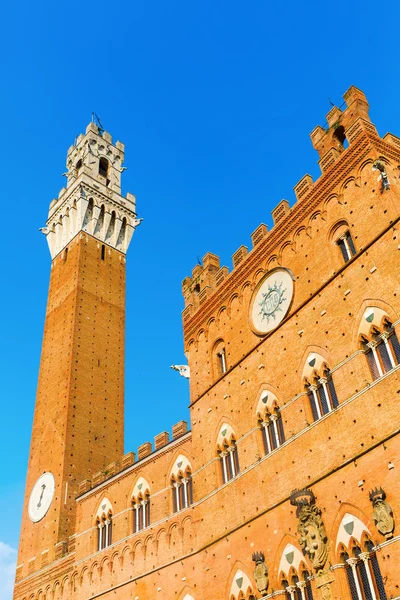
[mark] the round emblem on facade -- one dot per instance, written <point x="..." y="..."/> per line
<point x="271" y="300"/>
<point x="41" y="497"/>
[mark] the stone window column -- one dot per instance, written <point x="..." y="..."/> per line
<point x="231" y="450"/>
<point x="274" y="420"/>
<point x="313" y="389"/>
<point x="353" y="562"/>
<point x="292" y="590"/>
<point x="365" y="558"/>
<point x="177" y="486"/>
<point x="223" y="455"/>
<point x="185" y="494"/>
<point x="373" y="345"/>
<point x="385" y="336"/>
<point x="302" y="586"/>
<point x="137" y="508"/>
<point x="265" y="424"/>
<point x="100" y="534"/>
<point x="108" y="522"/>
<point x="323" y="381"/>
<point x="143" y="503"/>
<point x="346" y="245"/>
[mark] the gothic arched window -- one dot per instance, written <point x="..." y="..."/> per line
<point x="141" y="508"/>
<point x="272" y="430"/>
<point x="363" y="573"/>
<point x="322" y="394"/>
<point x="104" y="535"/>
<point x="181" y="484"/>
<point x="227" y="452"/>
<point x="219" y="359"/>
<point x="228" y="456"/>
<point x="382" y="349"/>
<point x="319" y="385"/>
<point x="270" y="421"/>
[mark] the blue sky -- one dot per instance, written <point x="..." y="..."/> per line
<point x="214" y="101"/>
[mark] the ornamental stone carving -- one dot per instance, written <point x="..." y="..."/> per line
<point x="312" y="535"/>
<point x="261" y="572"/>
<point x="383" y="514"/>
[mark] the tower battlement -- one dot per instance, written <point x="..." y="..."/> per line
<point x="334" y="143"/>
<point x="92" y="201"/>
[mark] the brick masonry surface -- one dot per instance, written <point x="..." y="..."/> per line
<point x="204" y="551"/>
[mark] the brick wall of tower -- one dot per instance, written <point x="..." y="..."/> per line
<point x="79" y="403"/>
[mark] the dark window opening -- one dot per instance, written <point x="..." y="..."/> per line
<point x="346" y="245"/>
<point x="78" y="164"/>
<point x="103" y="167"/>
<point x="103" y="252"/>
<point x="340" y="135"/>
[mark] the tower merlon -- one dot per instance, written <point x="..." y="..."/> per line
<point x="331" y="142"/>
<point x="202" y="281"/>
<point x="92" y="201"/>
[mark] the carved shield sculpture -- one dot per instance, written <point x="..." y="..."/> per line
<point x="261" y="572"/>
<point x="312" y="535"/>
<point x="383" y="514"/>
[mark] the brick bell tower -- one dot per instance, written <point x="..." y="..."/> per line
<point x="78" y="426"/>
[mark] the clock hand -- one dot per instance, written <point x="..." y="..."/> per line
<point x="41" y="496"/>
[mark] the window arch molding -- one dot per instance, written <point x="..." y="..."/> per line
<point x="353" y="548"/>
<point x="181" y="483"/>
<point x="360" y="328"/>
<point x="319" y="384"/>
<point x="341" y="236"/>
<point x="378" y="339"/>
<point x="269" y="420"/>
<point x="239" y="584"/>
<point x="219" y="358"/>
<point x="103" y="524"/>
<point x="140" y="503"/>
<point x="227" y="452"/>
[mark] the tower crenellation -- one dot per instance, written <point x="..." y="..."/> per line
<point x="92" y="201"/>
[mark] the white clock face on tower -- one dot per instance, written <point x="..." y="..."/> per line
<point x="41" y="497"/>
<point x="271" y="300"/>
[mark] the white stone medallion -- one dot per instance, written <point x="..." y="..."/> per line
<point x="271" y="300"/>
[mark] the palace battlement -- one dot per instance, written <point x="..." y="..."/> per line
<point x="145" y="450"/>
<point x="339" y="153"/>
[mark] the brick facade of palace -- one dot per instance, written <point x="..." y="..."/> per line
<point x="286" y="484"/>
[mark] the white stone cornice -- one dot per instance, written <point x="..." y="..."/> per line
<point x="80" y="208"/>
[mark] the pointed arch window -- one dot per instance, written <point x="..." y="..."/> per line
<point x="141" y="507"/>
<point x="299" y="588"/>
<point x="322" y="395"/>
<point x="182" y="491"/>
<point x="229" y="461"/>
<point x="104" y="531"/>
<point x="363" y="573"/>
<point x="272" y="430"/>
<point x="382" y="350"/>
